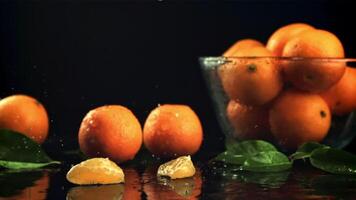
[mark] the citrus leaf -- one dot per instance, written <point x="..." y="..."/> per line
<point x="335" y="161"/>
<point x="25" y="165"/>
<point x="230" y="158"/>
<point x="305" y="150"/>
<point x="268" y="161"/>
<point x="251" y="147"/>
<point x="17" y="151"/>
<point x="238" y="153"/>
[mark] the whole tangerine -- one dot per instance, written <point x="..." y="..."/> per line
<point x="110" y="131"/>
<point x="240" y="45"/>
<point x="26" y="115"/>
<point x="314" y="75"/>
<point x="172" y="131"/>
<point x="281" y="36"/>
<point x="249" y="122"/>
<point x="297" y="117"/>
<point x="252" y="81"/>
<point x="341" y="97"/>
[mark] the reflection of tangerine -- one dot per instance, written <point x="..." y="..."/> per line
<point x="297" y="117"/>
<point x="132" y="185"/>
<point x="240" y="45"/>
<point x="314" y="76"/>
<point x="110" y="131"/>
<point x="248" y="122"/>
<point x="37" y="191"/>
<point x="282" y="35"/>
<point x="260" y="75"/>
<point x="25" y="115"/>
<point x="172" y="130"/>
<point x="185" y="188"/>
<point x="341" y="97"/>
<point x="114" y="191"/>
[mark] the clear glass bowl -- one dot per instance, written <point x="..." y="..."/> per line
<point x="342" y="128"/>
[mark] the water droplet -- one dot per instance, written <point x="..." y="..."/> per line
<point x="158" y="105"/>
<point x="177" y="114"/>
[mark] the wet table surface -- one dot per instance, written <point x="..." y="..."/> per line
<point x="212" y="181"/>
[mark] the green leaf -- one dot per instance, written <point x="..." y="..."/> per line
<point x="268" y="161"/>
<point x="230" y="158"/>
<point x="334" y="161"/>
<point x="20" y="152"/>
<point x="251" y="147"/>
<point x="238" y="153"/>
<point x="305" y="150"/>
<point x="25" y="165"/>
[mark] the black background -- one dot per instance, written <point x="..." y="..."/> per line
<point x="76" y="55"/>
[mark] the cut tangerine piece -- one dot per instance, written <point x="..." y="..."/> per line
<point x="181" y="167"/>
<point x="96" y="171"/>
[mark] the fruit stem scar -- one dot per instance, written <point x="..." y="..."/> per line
<point x="322" y="114"/>
<point x="251" y="68"/>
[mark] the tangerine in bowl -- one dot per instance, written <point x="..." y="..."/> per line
<point x="284" y="100"/>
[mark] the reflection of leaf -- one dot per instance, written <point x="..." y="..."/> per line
<point x="20" y="152"/>
<point x="334" y="161"/>
<point x="184" y="186"/>
<point x="264" y="179"/>
<point x="13" y="183"/>
<point x="306" y="149"/>
<point x="342" y="187"/>
<point x="270" y="179"/>
<point x="110" y="192"/>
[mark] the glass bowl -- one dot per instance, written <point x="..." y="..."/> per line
<point x="231" y="84"/>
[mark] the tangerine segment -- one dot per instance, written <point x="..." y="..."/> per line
<point x="249" y="122"/>
<point x="341" y="97"/>
<point x="172" y="130"/>
<point x="297" y="117"/>
<point x="240" y="45"/>
<point x="280" y="37"/>
<point x="26" y="115"/>
<point x="180" y="167"/>
<point x="252" y="81"/>
<point x="96" y="171"/>
<point x="110" y="131"/>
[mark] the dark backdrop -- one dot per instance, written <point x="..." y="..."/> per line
<point x="76" y="55"/>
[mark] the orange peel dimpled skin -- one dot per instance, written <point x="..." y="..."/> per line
<point x="26" y="115"/>
<point x="110" y="131"/>
<point x="172" y="130"/>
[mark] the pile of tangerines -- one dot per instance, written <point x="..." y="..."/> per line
<point x="288" y="90"/>
<point x="112" y="131"/>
